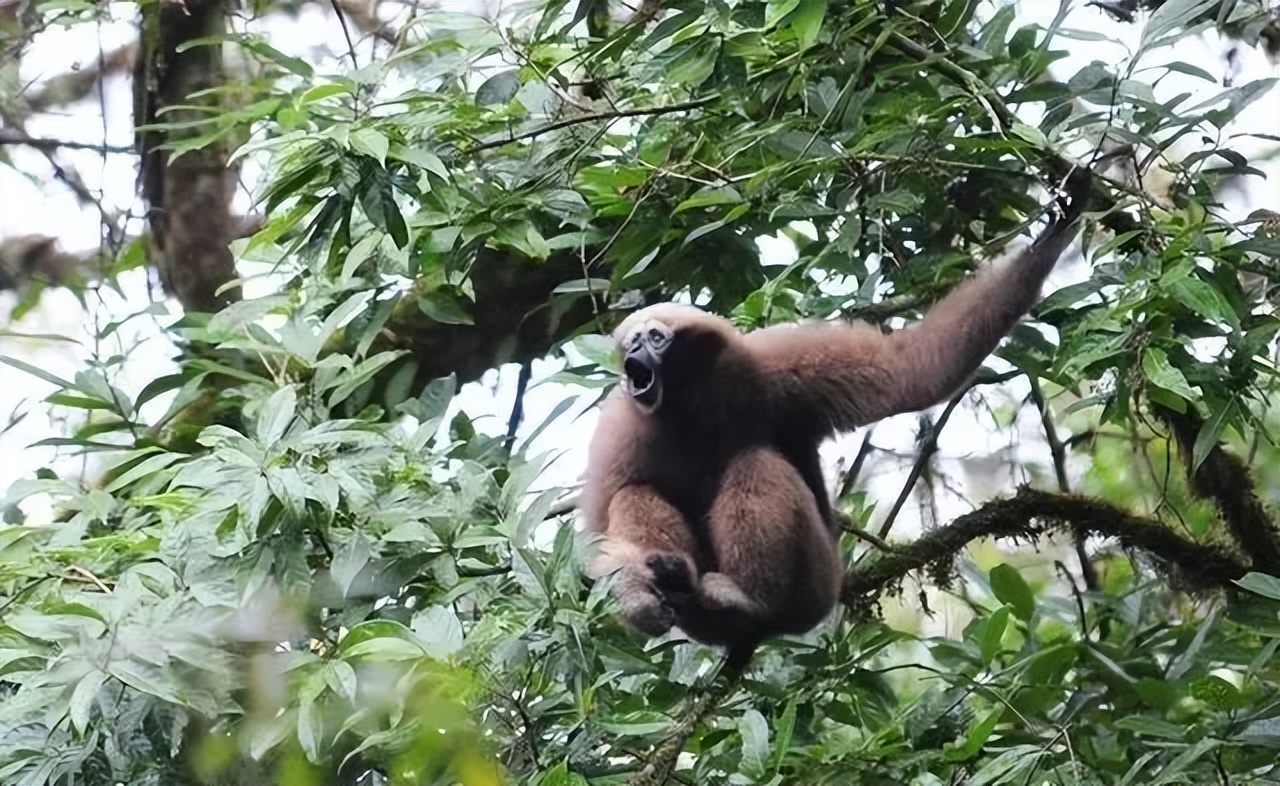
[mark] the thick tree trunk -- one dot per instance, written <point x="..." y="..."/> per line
<point x="188" y="196"/>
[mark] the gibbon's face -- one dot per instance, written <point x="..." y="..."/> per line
<point x="662" y="341"/>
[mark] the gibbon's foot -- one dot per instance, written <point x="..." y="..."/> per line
<point x="649" y="615"/>
<point x="721" y="593"/>
<point x="672" y="579"/>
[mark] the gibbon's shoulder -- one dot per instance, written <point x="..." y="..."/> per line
<point x="793" y="344"/>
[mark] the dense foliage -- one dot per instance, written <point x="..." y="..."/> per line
<point x="301" y="565"/>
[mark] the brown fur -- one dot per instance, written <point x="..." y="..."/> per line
<point x="713" y="507"/>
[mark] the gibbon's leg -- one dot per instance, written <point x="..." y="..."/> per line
<point x="777" y="566"/>
<point x="644" y="527"/>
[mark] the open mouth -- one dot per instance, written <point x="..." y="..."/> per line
<point x="642" y="381"/>
<point x="639" y="373"/>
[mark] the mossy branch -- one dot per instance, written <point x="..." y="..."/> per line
<point x="1224" y="479"/>
<point x="1032" y="514"/>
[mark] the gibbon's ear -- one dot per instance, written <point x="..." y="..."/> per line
<point x="837" y="376"/>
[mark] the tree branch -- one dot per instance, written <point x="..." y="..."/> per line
<point x="929" y="446"/>
<point x="1225" y="480"/>
<point x="72" y="86"/>
<point x="660" y="765"/>
<point x="573" y="121"/>
<point x="10" y="136"/>
<point x="1030" y="515"/>
<point x="188" y="196"/>
<point x="985" y="94"/>
<point x="364" y="15"/>
<point x="1058" y="451"/>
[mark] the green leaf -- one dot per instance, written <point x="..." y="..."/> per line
<point x="434" y="400"/>
<point x="806" y="21"/>
<point x="709" y="196"/>
<point x="1261" y="584"/>
<point x="385" y="649"/>
<point x="360" y="375"/>
<point x="583" y="286"/>
<point x="499" y="88"/>
<point x="1217" y="693"/>
<point x="776" y="10"/>
<point x="341" y="679"/>
<point x="640" y="723"/>
<point x="349" y="559"/>
<point x="560" y="775"/>
<point x="1162" y="374"/>
<point x="524" y="237"/>
<point x="371" y="142"/>
<point x="1009" y="587"/>
<point x="690" y="62"/>
<point x="420" y="158"/>
<point x="1169" y="16"/>
<point x="993" y="634"/>
<point x="275" y="415"/>
<point x="705" y="229"/>
<point x="361" y="251"/>
<point x="379" y="204"/>
<point x="978" y="735"/>
<point x="1210" y="431"/>
<point x="1190" y="70"/>
<point x="323" y="91"/>
<point x="310" y="727"/>
<point x="439" y="631"/>
<point x="446" y="306"/>
<point x="142" y="469"/>
<point x="755" y="743"/>
<point x="785" y="729"/>
<point x="81" y="705"/>
<point x="37" y="372"/>
<point x="601" y="350"/>
<point x="1204" y="300"/>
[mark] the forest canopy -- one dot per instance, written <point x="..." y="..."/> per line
<point x="286" y="542"/>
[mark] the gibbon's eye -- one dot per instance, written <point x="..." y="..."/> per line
<point x="657" y="338"/>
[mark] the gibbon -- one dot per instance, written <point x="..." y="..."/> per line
<point x="703" y="473"/>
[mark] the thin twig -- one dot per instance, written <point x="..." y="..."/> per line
<point x="1059" y="453"/>
<point x="855" y="469"/>
<point x="862" y="534"/>
<point x="9" y="136"/>
<point x="928" y="447"/>
<point x="346" y="33"/>
<point x="573" y="121"/>
<point x="517" y="407"/>
<point x="89" y="577"/>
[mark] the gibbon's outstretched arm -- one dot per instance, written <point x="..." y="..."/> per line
<point x="848" y="375"/>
